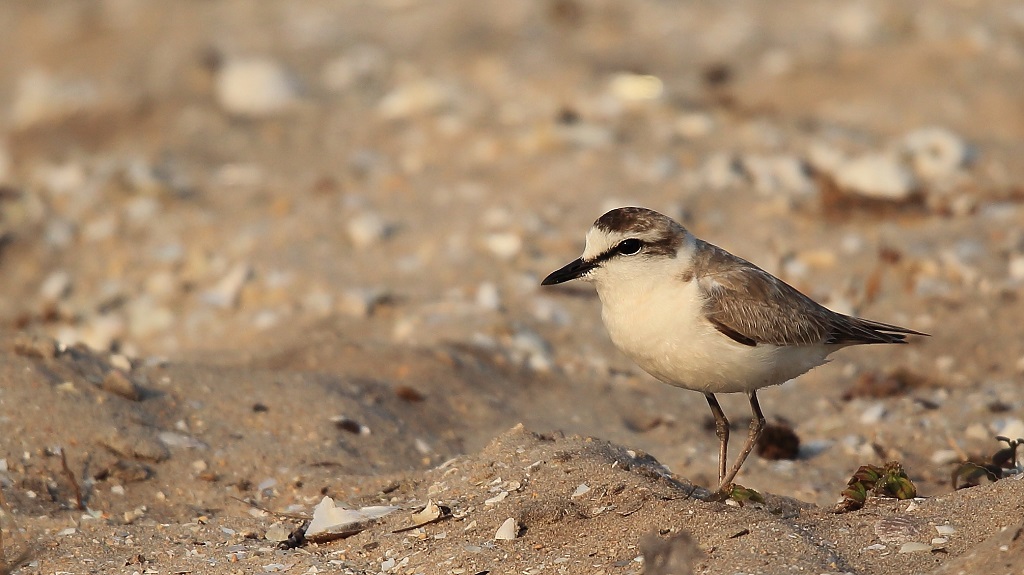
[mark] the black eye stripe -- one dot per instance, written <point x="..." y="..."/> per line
<point x="617" y="250"/>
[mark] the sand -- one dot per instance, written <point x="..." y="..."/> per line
<point x="258" y="254"/>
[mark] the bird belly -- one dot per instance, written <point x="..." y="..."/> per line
<point x="669" y="338"/>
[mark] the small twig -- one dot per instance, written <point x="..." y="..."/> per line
<point x="71" y="477"/>
<point x="300" y="516"/>
<point x="956" y="447"/>
<point x="6" y="568"/>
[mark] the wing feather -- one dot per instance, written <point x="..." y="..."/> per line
<point x="752" y="307"/>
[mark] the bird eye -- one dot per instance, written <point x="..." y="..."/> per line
<point x="629" y="247"/>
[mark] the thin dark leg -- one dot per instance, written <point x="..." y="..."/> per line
<point x="756" y="425"/>
<point x="722" y="431"/>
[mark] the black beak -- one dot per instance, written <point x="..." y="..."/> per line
<point x="570" y="271"/>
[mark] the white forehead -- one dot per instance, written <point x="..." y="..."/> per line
<point x="600" y="241"/>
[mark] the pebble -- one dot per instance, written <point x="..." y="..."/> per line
<point x="776" y="62"/>
<point x="936" y="153"/>
<point x="181" y="440"/>
<point x="226" y="293"/>
<point x="496" y="217"/>
<point x="350" y="425"/>
<point x="873" y="414"/>
<point x="1016" y="267"/>
<point x="145" y="179"/>
<point x="628" y="87"/>
<point x="32" y="345"/>
<point x="581" y="489"/>
<point x="59" y="233"/>
<point x="136" y="445"/>
<point x="99" y="228"/>
<point x="586" y="135"/>
<point x="820" y="259"/>
<point x="1012" y="428"/>
<point x="5" y="163"/>
<point x="266" y="319"/>
<point x="102" y="331"/>
<point x="780" y="174"/>
<point x="62" y="179"/>
<point x="319" y="302"/>
<point x="854" y="23"/>
<point x="875" y="175"/>
<point x="239" y="175"/>
<point x="422" y="446"/>
<point x="535" y="348"/>
<point x="41" y="97"/>
<point x="548" y="310"/>
<point x="875" y="547"/>
<point x="978" y="431"/>
<point x="415" y="98"/>
<point x="504" y="245"/>
<point x="169" y="253"/>
<point x="255" y="87"/>
<point x="944" y="456"/>
<point x="116" y="382"/>
<point x="496" y="499"/>
<point x="141" y="210"/>
<point x="945" y="363"/>
<point x="55" y="287"/>
<point x="487" y="297"/>
<point x="358" y="63"/>
<point x="277" y="533"/>
<point x="360" y="302"/>
<point x="825" y="157"/>
<point x="914" y="547"/>
<point x="161" y="284"/>
<point x="145" y="317"/>
<point x="694" y="125"/>
<point x="508" y="530"/>
<point x="945" y="529"/>
<point x="367" y="229"/>
<point x="721" y="171"/>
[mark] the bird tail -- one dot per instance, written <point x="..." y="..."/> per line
<point x="855" y="330"/>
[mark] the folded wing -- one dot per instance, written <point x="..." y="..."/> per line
<point x="752" y="307"/>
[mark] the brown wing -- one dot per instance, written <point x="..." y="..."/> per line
<point x="751" y="306"/>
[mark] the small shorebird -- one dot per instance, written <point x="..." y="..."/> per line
<point x="695" y="316"/>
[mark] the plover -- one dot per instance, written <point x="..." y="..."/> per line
<point x="695" y="316"/>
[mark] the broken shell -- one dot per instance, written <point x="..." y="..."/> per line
<point x="508" y="530"/>
<point x="426" y="515"/>
<point x="497" y="498"/>
<point x="330" y="521"/>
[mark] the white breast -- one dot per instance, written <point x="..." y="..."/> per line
<point x="661" y="327"/>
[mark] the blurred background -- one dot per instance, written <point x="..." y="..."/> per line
<point x="211" y="179"/>
<point x="177" y="173"/>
